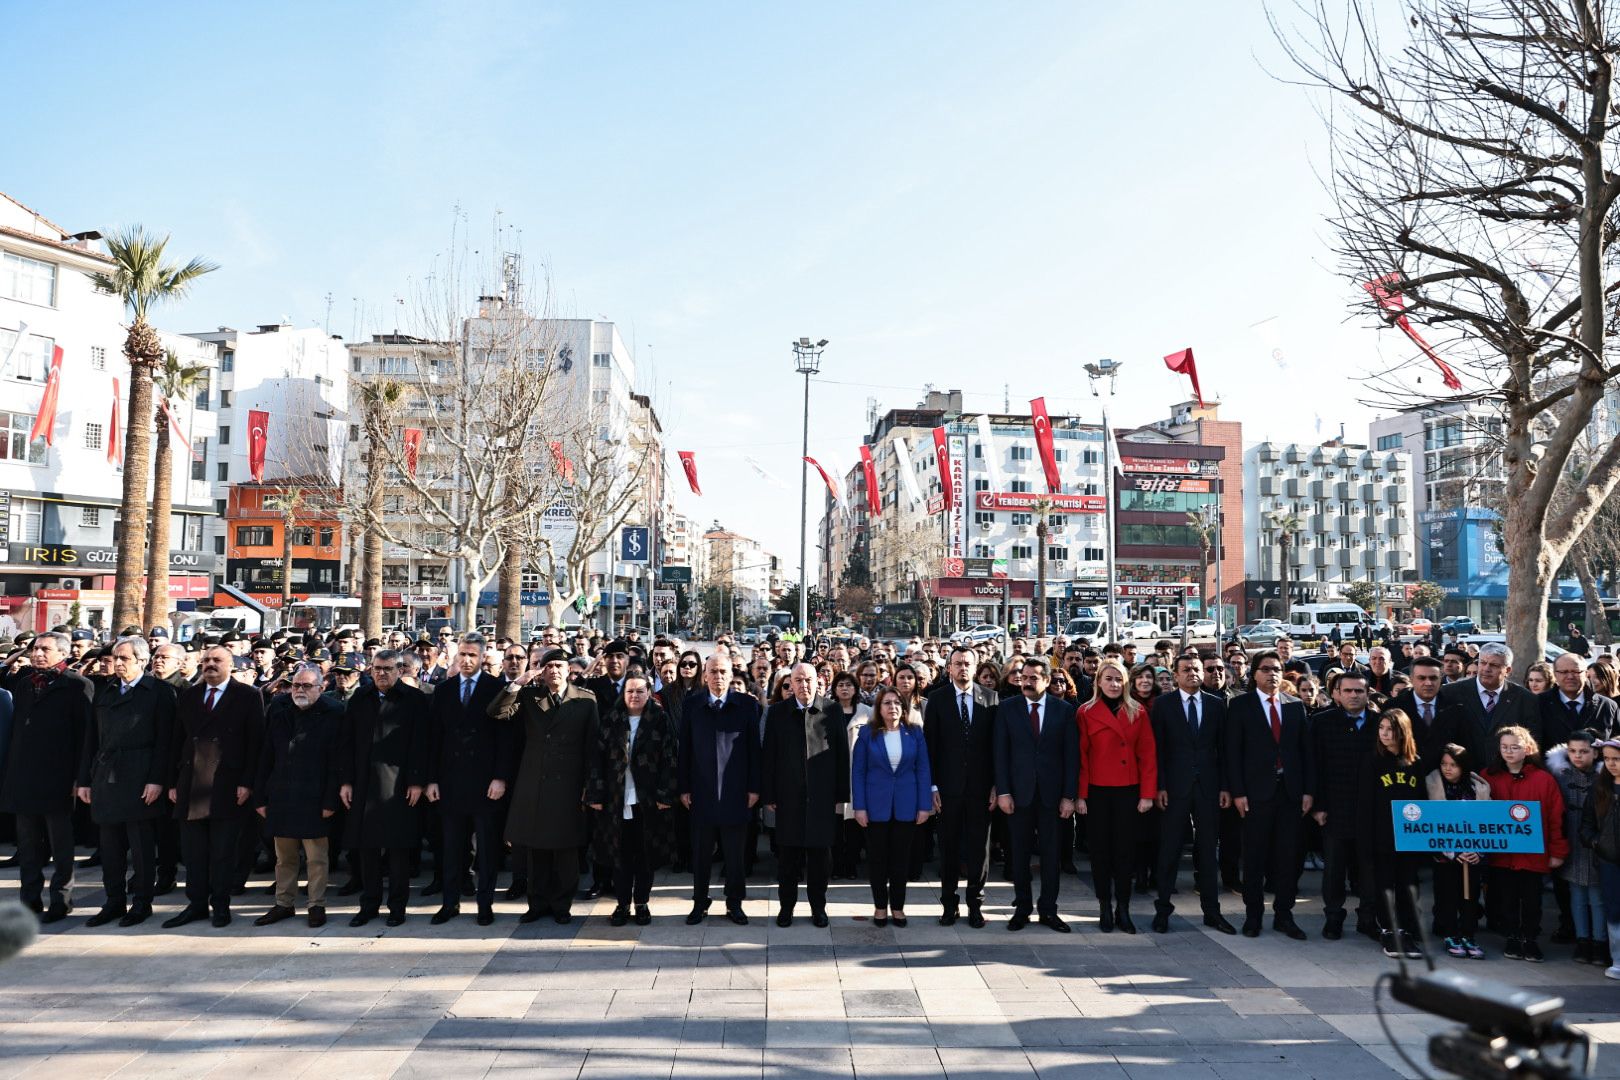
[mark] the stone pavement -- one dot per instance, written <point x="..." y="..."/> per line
<point x="719" y="1001"/>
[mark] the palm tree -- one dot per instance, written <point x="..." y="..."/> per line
<point x="1286" y="525"/>
<point x="1043" y="507"/>
<point x="1202" y="526"/>
<point x="378" y="401"/>
<point x="141" y="277"/>
<point x="173" y="381"/>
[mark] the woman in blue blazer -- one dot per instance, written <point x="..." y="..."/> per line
<point x="892" y="790"/>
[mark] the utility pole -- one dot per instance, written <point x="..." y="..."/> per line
<point x="807" y="362"/>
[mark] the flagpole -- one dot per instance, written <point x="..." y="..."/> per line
<point x="1108" y="521"/>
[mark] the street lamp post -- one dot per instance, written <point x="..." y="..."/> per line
<point x="807" y="362"/>
<point x="1108" y="369"/>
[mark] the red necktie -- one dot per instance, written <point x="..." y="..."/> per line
<point x="1035" y="720"/>
<point x="213" y="697"/>
<point x="1276" y="729"/>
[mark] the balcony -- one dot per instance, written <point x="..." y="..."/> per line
<point x="1321" y="523"/>
<point x="1294" y="456"/>
<point x="1346" y="526"/>
<point x="1347" y="559"/>
<point x="1294" y="488"/>
<point x="1396" y="526"/>
<point x="1320" y="457"/>
<point x="1369" y="493"/>
<point x="1268" y="452"/>
<point x="1369" y="560"/>
<point x="1369" y="527"/>
<point x="1398" y="559"/>
<point x="1397" y="494"/>
<point x="1269" y="486"/>
<point x="1320" y="557"/>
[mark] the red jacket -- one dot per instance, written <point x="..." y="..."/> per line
<point x="1533" y="784"/>
<point x="1116" y="751"/>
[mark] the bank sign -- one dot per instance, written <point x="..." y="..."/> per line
<point x="102" y="559"/>
<point x="1488" y="827"/>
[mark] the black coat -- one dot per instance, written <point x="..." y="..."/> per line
<point x="1341" y="754"/>
<point x="1253" y="756"/>
<point x="1385" y="780"/>
<point x="127" y="745"/>
<point x="962" y="760"/>
<point x="548" y="796"/>
<point x="607" y="692"/>
<point x="1597" y="713"/>
<point x="468" y="748"/>
<point x="651" y="762"/>
<point x="300" y="766"/>
<point x="707" y="736"/>
<point x="1516" y="706"/>
<point x="1185" y="760"/>
<point x="1449" y="726"/>
<point x="384" y="755"/>
<point x="805" y="770"/>
<point x="47" y="741"/>
<point x="1044" y="772"/>
<point x="216" y="752"/>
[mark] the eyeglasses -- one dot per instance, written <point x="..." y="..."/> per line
<point x="1264" y="668"/>
<point x="305" y="685"/>
<point x="688" y="663"/>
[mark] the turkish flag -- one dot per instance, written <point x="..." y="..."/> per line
<point x="115" y="448"/>
<point x="874" y="501"/>
<point x="1043" y="442"/>
<point x="689" y="464"/>
<point x="832" y="485"/>
<point x="565" y="468"/>
<point x="942" y="456"/>
<point x="1389" y="298"/>
<point x="1182" y="364"/>
<point x="258" y="439"/>
<point x="45" y="420"/>
<point x="413" y="448"/>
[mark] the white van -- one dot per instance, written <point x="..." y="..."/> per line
<point x="1092" y="626"/>
<point x="1316" y="620"/>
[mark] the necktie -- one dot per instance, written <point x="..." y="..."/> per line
<point x="1574" y="710"/>
<point x="1035" y="719"/>
<point x="123" y="688"/>
<point x="1427" y="710"/>
<point x="1192" y="714"/>
<point x="1276" y="722"/>
<point x="967" y="716"/>
<point x="466" y="691"/>
<point x="1490" y="702"/>
<point x="213" y="697"/>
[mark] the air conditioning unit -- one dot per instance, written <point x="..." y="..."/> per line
<point x="68" y="583"/>
<point x="985" y="526"/>
<point x="1026" y="530"/>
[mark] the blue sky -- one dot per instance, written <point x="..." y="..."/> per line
<point x="956" y="194"/>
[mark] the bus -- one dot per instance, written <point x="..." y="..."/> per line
<point x="323" y="613"/>
<point x="779" y="621"/>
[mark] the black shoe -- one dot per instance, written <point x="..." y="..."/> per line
<point x="1513" y="949"/>
<point x="975" y="918"/>
<point x="1218" y="922"/>
<point x="108" y="914"/>
<point x="351" y="887"/>
<point x="590" y="892"/>
<point x="900" y="920"/>
<point x="1369" y="929"/>
<point x="165" y="883"/>
<point x="56" y="912"/>
<point x="434" y="887"/>
<point x="1019" y="920"/>
<point x="1333" y="929"/>
<point x="137" y="915"/>
<point x="516" y="891"/>
<point x="189" y="915"/>
<point x="1391" y="944"/>
<point x="1105" y="919"/>
<point x="1251" y="927"/>
<point x="533" y="914"/>
<point x="1288" y="926"/>
<point x="1530" y="951"/>
<point x="562" y="918"/>
<point x="274" y="915"/>
<point x="363" y="916"/>
<point x="643" y="915"/>
<point x="1583" y="950"/>
<point x="1161" y="923"/>
<point x="620" y="916"/>
<point x="698" y="913"/>
<point x="444" y="914"/>
<point x="35" y="906"/>
<point x="317" y="916"/>
<point x="818" y="919"/>
<point x="221" y="919"/>
<point x="1053" y="922"/>
<point x="784" y="918"/>
<point x="1068" y="867"/>
<point x="395" y="918"/>
<point x="880" y="920"/>
<point x="736" y="915"/>
<point x="1122" y="919"/>
<point x="486" y="916"/>
<point x="948" y="916"/>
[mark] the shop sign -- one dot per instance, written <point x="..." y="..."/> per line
<point x="1026" y="500"/>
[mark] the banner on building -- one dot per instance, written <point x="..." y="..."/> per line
<point x="874" y="498"/>
<point x="1043" y="443"/>
<point x="258" y="441"/>
<point x="115" y="445"/>
<point x="942" y="460"/>
<point x="1026" y="500"/>
<point x="45" y="419"/>
<point x="413" y="448"/>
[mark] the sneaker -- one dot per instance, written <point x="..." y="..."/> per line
<point x="1392" y="947"/>
<point x="1532" y="952"/>
<point x="1456" y="947"/>
<point x="1612" y="973"/>
<point x="1474" y="951"/>
<point x="1512" y="950"/>
<point x="1409" y="946"/>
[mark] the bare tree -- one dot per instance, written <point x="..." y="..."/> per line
<point x="915" y="549"/>
<point x="1475" y="199"/>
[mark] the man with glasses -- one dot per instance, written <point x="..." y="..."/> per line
<point x="1189" y="733"/>
<point x="1434" y="722"/>
<point x="1344" y="737"/>
<point x="297" y="789"/>
<point x="1569" y="705"/>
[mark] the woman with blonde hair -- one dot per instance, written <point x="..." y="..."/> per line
<point x="1119" y="776"/>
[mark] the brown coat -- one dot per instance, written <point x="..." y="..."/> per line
<point x="216" y="752"/>
<point x="548" y="796"/>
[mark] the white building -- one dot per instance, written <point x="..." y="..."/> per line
<point x="744" y="572"/>
<point x="59" y="504"/>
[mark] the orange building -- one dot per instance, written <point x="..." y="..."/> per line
<point x="256" y="521"/>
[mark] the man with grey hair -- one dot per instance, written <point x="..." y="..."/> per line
<point x="1490" y="702"/>
<point x="804" y="776"/>
<point x="51" y="712"/>
<point x="296" y="790"/>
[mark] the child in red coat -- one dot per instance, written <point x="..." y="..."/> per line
<point x="1517" y="777"/>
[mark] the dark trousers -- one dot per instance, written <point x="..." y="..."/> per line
<point x="38" y="834"/>
<point x="810" y="863"/>
<point x="846" y="849"/>
<point x="632" y="875"/>
<point x="731" y="839"/>
<point x="1393" y="870"/>
<point x="210" y="848"/>
<point x="1343" y="856"/>
<point x="964" y="847"/>
<point x="553" y="879"/>
<point x="1202" y="809"/>
<point x="135" y="838"/>
<point x="888" y="861"/>
<point x="167" y="832"/>
<point x="1231" y="849"/>
<point x="1031" y="825"/>
<point x="1271" y="853"/>
<point x="1111" y="836"/>
<point x="1455" y="916"/>
<point x="453" y="853"/>
<point x="399" y="878"/>
<point x="1519" y="893"/>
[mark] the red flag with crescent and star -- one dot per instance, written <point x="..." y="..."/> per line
<point x="565" y="467"/>
<point x="45" y="420"/>
<point x="413" y="448"/>
<point x="689" y="465"/>
<point x="1389" y="298"/>
<point x="942" y="457"/>
<point x="258" y="440"/>
<point x="1043" y="442"/>
<point x="1182" y="364"/>
<point x="115" y="446"/>
<point x="874" y="500"/>
<point x="832" y="486"/>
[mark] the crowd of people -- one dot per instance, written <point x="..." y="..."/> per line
<point x="583" y="766"/>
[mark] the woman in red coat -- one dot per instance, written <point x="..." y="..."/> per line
<point x="1516" y="878"/>
<point x="1119" y="775"/>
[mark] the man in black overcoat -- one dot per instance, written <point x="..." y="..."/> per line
<point x="959" y="723"/>
<point x="297" y="793"/>
<point x="803" y="777"/>
<point x="1435" y="721"/>
<point x="1037" y="758"/>
<point x="719" y="780"/>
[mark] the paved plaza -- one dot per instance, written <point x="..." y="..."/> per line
<point x="718" y="1001"/>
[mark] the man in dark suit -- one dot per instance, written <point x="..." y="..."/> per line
<point x="1189" y="732"/>
<point x="719" y="778"/>
<point x="959" y="722"/>
<point x="804" y="776"/>
<point x="470" y="764"/>
<point x="1435" y="722"/>
<point x="218" y="733"/>
<point x="608" y="687"/>
<point x="1342" y="739"/>
<point x="1268" y="757"/>
<point x="1571" y="705"/>
<point x="1490" y="703"/>
<point x="1037" y="755"/>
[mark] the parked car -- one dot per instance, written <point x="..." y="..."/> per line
<point x="1262" y="633"/>
<point x="1197" y="630"/>
<point x="1458" y="624"/>
<point x="975" y="634"/>
<point x="1094" y="628"/>
<point x="1550" y="654"/>
<point x="1139" y="630"/>
<point x="1418" y="626"/>
<point x="748" y="635"/>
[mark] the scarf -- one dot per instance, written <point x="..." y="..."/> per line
<point x="1462" y="789"/>
<point x="43" y="677"/>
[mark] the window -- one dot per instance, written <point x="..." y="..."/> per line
<point x="201" y="398"/>
<point x="1091" y="457"/>
<point x="90" y="517"/>
<point x="1093" y="554"/>
<point x="1020" y="486"/>
<point x="28" y="280"/>
<point x="1020" y="452"/>
<point x="222" y="471"/>
<point x="303" y="535"/>
<point x="224" y="399"/>
<point x="984" y="517"/>
<point x="1023" y="519"/>
<point x="1165" y="501"/>
<point x="254" y="536"/>
<point x="981" y="551"/>
<point x="199" y="460"/>
<point x="92" y="436"/>
<point x="1057" y="554"/>
<point x="978" y="450"/>
<point x="602" y="360"/>
<point x="14" y="444"/>
<point x="1060" y="455"/>
<point x="219" y="507"/>
<point x="227" y="362"/>
<point x="1391" y="442"/>
<point x="1159" y="535"/>
<point x="326" y="536"/>
<point x="98" y="358"/>
<point x="32" y="362"/>
<point x="225" y="435"/>
<point x="1023" y="551"/>
<point x="219" y="545"/>
<point x="981" y="484"/>
<point x="1089" y="489"/>
<point x="1056" y="521"/>
<point x="354" y="432"/>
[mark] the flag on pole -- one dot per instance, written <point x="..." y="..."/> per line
<point x="258" y="441"/>
<point x="413" y="448"/>
<point x="115" y="447"/>
<point x="16" y="343"/>
<point x="45" y="420"/>
<point x="1182" y="364"/>
<point x="1043" y="442"/>
<point x="1389" y="298"/>
<point x="908" y="478"/>
<point x="942" y="458"/>
<point x="826" y="478"/>
<point x="874" y="498"/>
<point x="689" y="464"/>
<point x="565" y="467"/>
<point x="987" y="446"/>
<point x="174" y="426"/>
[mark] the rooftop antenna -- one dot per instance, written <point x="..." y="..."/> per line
<point x="1006" y="399"/>
<point x="328" y="314"/>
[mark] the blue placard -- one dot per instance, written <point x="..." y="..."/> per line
<point x="635" y="544"/>
<point x="1488" y="827"/>
<point x="530" y="598"/>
